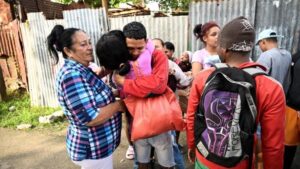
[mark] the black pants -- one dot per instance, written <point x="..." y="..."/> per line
<point x="289" y="154"/>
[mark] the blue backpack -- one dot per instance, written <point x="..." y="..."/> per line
<point x="224" y="125"/>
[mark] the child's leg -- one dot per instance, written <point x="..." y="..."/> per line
<point x="130" y="151"/>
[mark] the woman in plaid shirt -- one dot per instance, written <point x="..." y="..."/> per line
<point x="93" y="113"/>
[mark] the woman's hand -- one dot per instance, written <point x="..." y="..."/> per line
<point x="98" y="70"/>
<point x="122" y="106"/>
<point x="107" y="112"/>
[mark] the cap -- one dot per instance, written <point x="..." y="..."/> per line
<point x="268" y="33"/>
<point x="237" y="35"/>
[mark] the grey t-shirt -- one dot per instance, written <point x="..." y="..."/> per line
<point x="277" y="61"/>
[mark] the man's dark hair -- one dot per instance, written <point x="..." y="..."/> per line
<point x="112" y="52"/>
<point x="135" y="30"/>
<point x="274" y="39"/>
<point x="119" y="34"/>
<point x="170" y="46"/>
<point x="161" y="41"/>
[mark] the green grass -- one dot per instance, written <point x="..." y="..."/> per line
<point x="24" y="113"/>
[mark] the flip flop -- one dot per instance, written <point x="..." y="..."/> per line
<point x="130" y="153"/>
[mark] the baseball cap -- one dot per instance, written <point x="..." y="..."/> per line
<point x="237" y="35"/>
<point x="268" y="33"/>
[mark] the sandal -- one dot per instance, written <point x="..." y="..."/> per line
<point x="130" y="153"/>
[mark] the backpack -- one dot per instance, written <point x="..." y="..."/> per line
<point x="293" y="94"/>
<point x="224" y="125"/>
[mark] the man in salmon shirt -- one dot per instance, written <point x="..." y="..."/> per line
<point x="235" y="43"/>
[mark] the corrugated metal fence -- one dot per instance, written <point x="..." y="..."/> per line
<point x="40" y="66"/>
<point x="280" y="15"/>
<point x="42" y="71"/>
<point x="218" y="11"/>
<point x="93" y="21"/>
<point x="283" y="16"/>
<point x="173" y="29"/>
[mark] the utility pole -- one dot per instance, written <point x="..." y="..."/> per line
<point x="105" y="6"/>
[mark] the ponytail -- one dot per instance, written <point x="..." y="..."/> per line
<point x="201" y="30"/>
<point x="58" y="39"/>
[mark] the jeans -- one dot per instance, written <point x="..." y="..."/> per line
<point x="178" y="158"/>
<point x="177" y="154"/>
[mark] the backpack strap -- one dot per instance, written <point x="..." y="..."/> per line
<point x="220" y="65"/>
<point x="254" y="71"/>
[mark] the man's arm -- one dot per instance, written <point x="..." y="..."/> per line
<point x="265" y="60"/>
<point x="193" y="102"/>
<point x="272" y="106"/>
<point x="155" y="83"/>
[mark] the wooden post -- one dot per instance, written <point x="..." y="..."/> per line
<point x="20" y="57"/>
<point x="2" y="87"/>
<point x="143" y="3"/>
<point x="105" y="6"/>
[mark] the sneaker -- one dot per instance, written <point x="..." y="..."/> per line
<point x="130" y="153"/>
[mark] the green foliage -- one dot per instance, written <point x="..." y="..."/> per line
<point x="97" y="3"/>
<point x="174" y="5"/>
<point x="92" y="3"/>
<point x="116" y="3"/>
<point x="64" y="1"/>
<point x="24" y="113"/>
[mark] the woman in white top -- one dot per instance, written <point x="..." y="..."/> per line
<point x="206" y="57"/>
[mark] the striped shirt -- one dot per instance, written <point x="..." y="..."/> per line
<point x="81" y="94"/>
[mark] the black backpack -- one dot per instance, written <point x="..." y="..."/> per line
<point x="224" y="125"/>
<point x="293" y="94"/>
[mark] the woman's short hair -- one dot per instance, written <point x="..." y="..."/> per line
<point x="112" y="52"/>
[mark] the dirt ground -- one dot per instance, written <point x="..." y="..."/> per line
<point x="46" y="150"/>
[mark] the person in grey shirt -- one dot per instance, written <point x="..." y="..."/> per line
<point x="277" y="61"/>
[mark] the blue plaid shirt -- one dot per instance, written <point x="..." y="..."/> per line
<point x="82" y="94"/>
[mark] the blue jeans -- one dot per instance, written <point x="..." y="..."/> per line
<point x="135" y="163"/>
<point x="177" y="154"/>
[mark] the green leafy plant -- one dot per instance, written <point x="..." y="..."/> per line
<point x="17" y="110"/>
<point x="166" y="5"/>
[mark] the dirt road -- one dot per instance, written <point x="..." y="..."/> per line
<point x="46" y="150"/>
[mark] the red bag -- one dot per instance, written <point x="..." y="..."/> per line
<point x="154" y="115"/>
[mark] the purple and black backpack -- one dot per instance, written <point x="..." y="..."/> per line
<point x="225" y="118"/>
